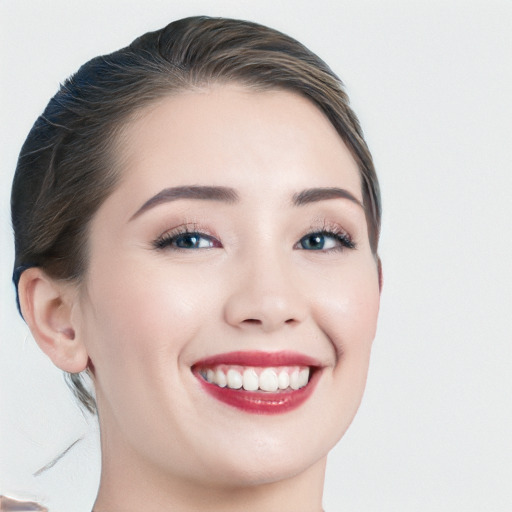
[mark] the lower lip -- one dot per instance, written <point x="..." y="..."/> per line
<point x="262" y="402"/>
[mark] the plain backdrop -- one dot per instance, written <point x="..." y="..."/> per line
<point x="431" y="82"/>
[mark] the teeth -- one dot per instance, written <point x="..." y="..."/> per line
<point x="268" y="380"/>
<point x="252" y="379"/>
<point x="234" y="379"/>
<point x="220" y="378"/>
<point x="284" y="379"/>
<point x="303" y="377"/>
<point x="294" y="379"/>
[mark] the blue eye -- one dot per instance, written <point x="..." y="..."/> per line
<point x="187" y="240"/>
<point x="325" y="241"/>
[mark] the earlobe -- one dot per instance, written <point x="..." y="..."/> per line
<point x="47" y="305"/>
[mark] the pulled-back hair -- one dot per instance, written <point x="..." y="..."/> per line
<point x="68" y="166"/>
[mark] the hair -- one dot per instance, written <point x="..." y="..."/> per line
<point x="67" y="166"/>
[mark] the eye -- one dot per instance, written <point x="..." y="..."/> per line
<point x="186" y="240"/>
<point x="325" y="241"/>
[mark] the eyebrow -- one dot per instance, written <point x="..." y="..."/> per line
<point x="205" y="193"/>
<point x="313" y="195"/>
<point x="229" y="195"/>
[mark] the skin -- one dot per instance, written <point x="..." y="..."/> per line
<point x="142" y="315"/>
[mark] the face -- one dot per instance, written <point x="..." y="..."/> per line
<point x="231" y="297"/>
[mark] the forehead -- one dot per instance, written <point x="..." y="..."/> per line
<point x="232" y="135"/>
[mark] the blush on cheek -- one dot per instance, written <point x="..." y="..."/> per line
<point x="350" y="319"/>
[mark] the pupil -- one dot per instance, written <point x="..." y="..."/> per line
<point x="315" y="242"/>
<point x="188" y="241"/>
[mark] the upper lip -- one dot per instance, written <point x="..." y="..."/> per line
<point x="259" y="358"/>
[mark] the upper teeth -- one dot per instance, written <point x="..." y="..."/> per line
<point x="256" y="378"/>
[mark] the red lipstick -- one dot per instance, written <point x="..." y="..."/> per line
<point x="293" y="390"/>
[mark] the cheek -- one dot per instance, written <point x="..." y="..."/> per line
<point x="346" y="310"/>
<point x="141" y="319"/>
<point x="349" y="307"/>
<point x="138" y="329"/>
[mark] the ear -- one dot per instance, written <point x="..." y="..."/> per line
<point x="47" y="305"/>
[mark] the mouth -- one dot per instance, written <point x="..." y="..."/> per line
<point x="257" y="382"/>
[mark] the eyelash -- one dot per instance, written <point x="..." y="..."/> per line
<point x="171" y="238"/>
<point x="343" y="239"/>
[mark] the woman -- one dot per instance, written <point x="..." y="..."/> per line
<point x="196" y="224"/>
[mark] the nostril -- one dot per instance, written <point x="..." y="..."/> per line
<point x="252" y="321"/>
<point x="256" y="321"/>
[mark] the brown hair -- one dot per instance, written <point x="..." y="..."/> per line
<point x="67" y="166"/>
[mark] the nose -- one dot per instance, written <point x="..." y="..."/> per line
<point x="265" y="295"/>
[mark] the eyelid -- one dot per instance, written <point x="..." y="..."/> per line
<point x="164" y="240"/>
<point x="325" y="228"/>
<point x="333" y="230"/>
<point x="188" y="227"/>
<point x="328" y="227"/>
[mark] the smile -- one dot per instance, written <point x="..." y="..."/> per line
<point x="258" y="382"/>
<point x="255" y="378"/>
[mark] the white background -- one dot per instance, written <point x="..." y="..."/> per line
<point x="431" y="82"/>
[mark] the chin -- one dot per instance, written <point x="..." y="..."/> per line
<point x="254" y="472"/>
<point x="265" y="456"/>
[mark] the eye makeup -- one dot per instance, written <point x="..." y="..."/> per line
<point x="325" y="241"/>
<point x="186" y="237"/>
<point x="325" y="238"/>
